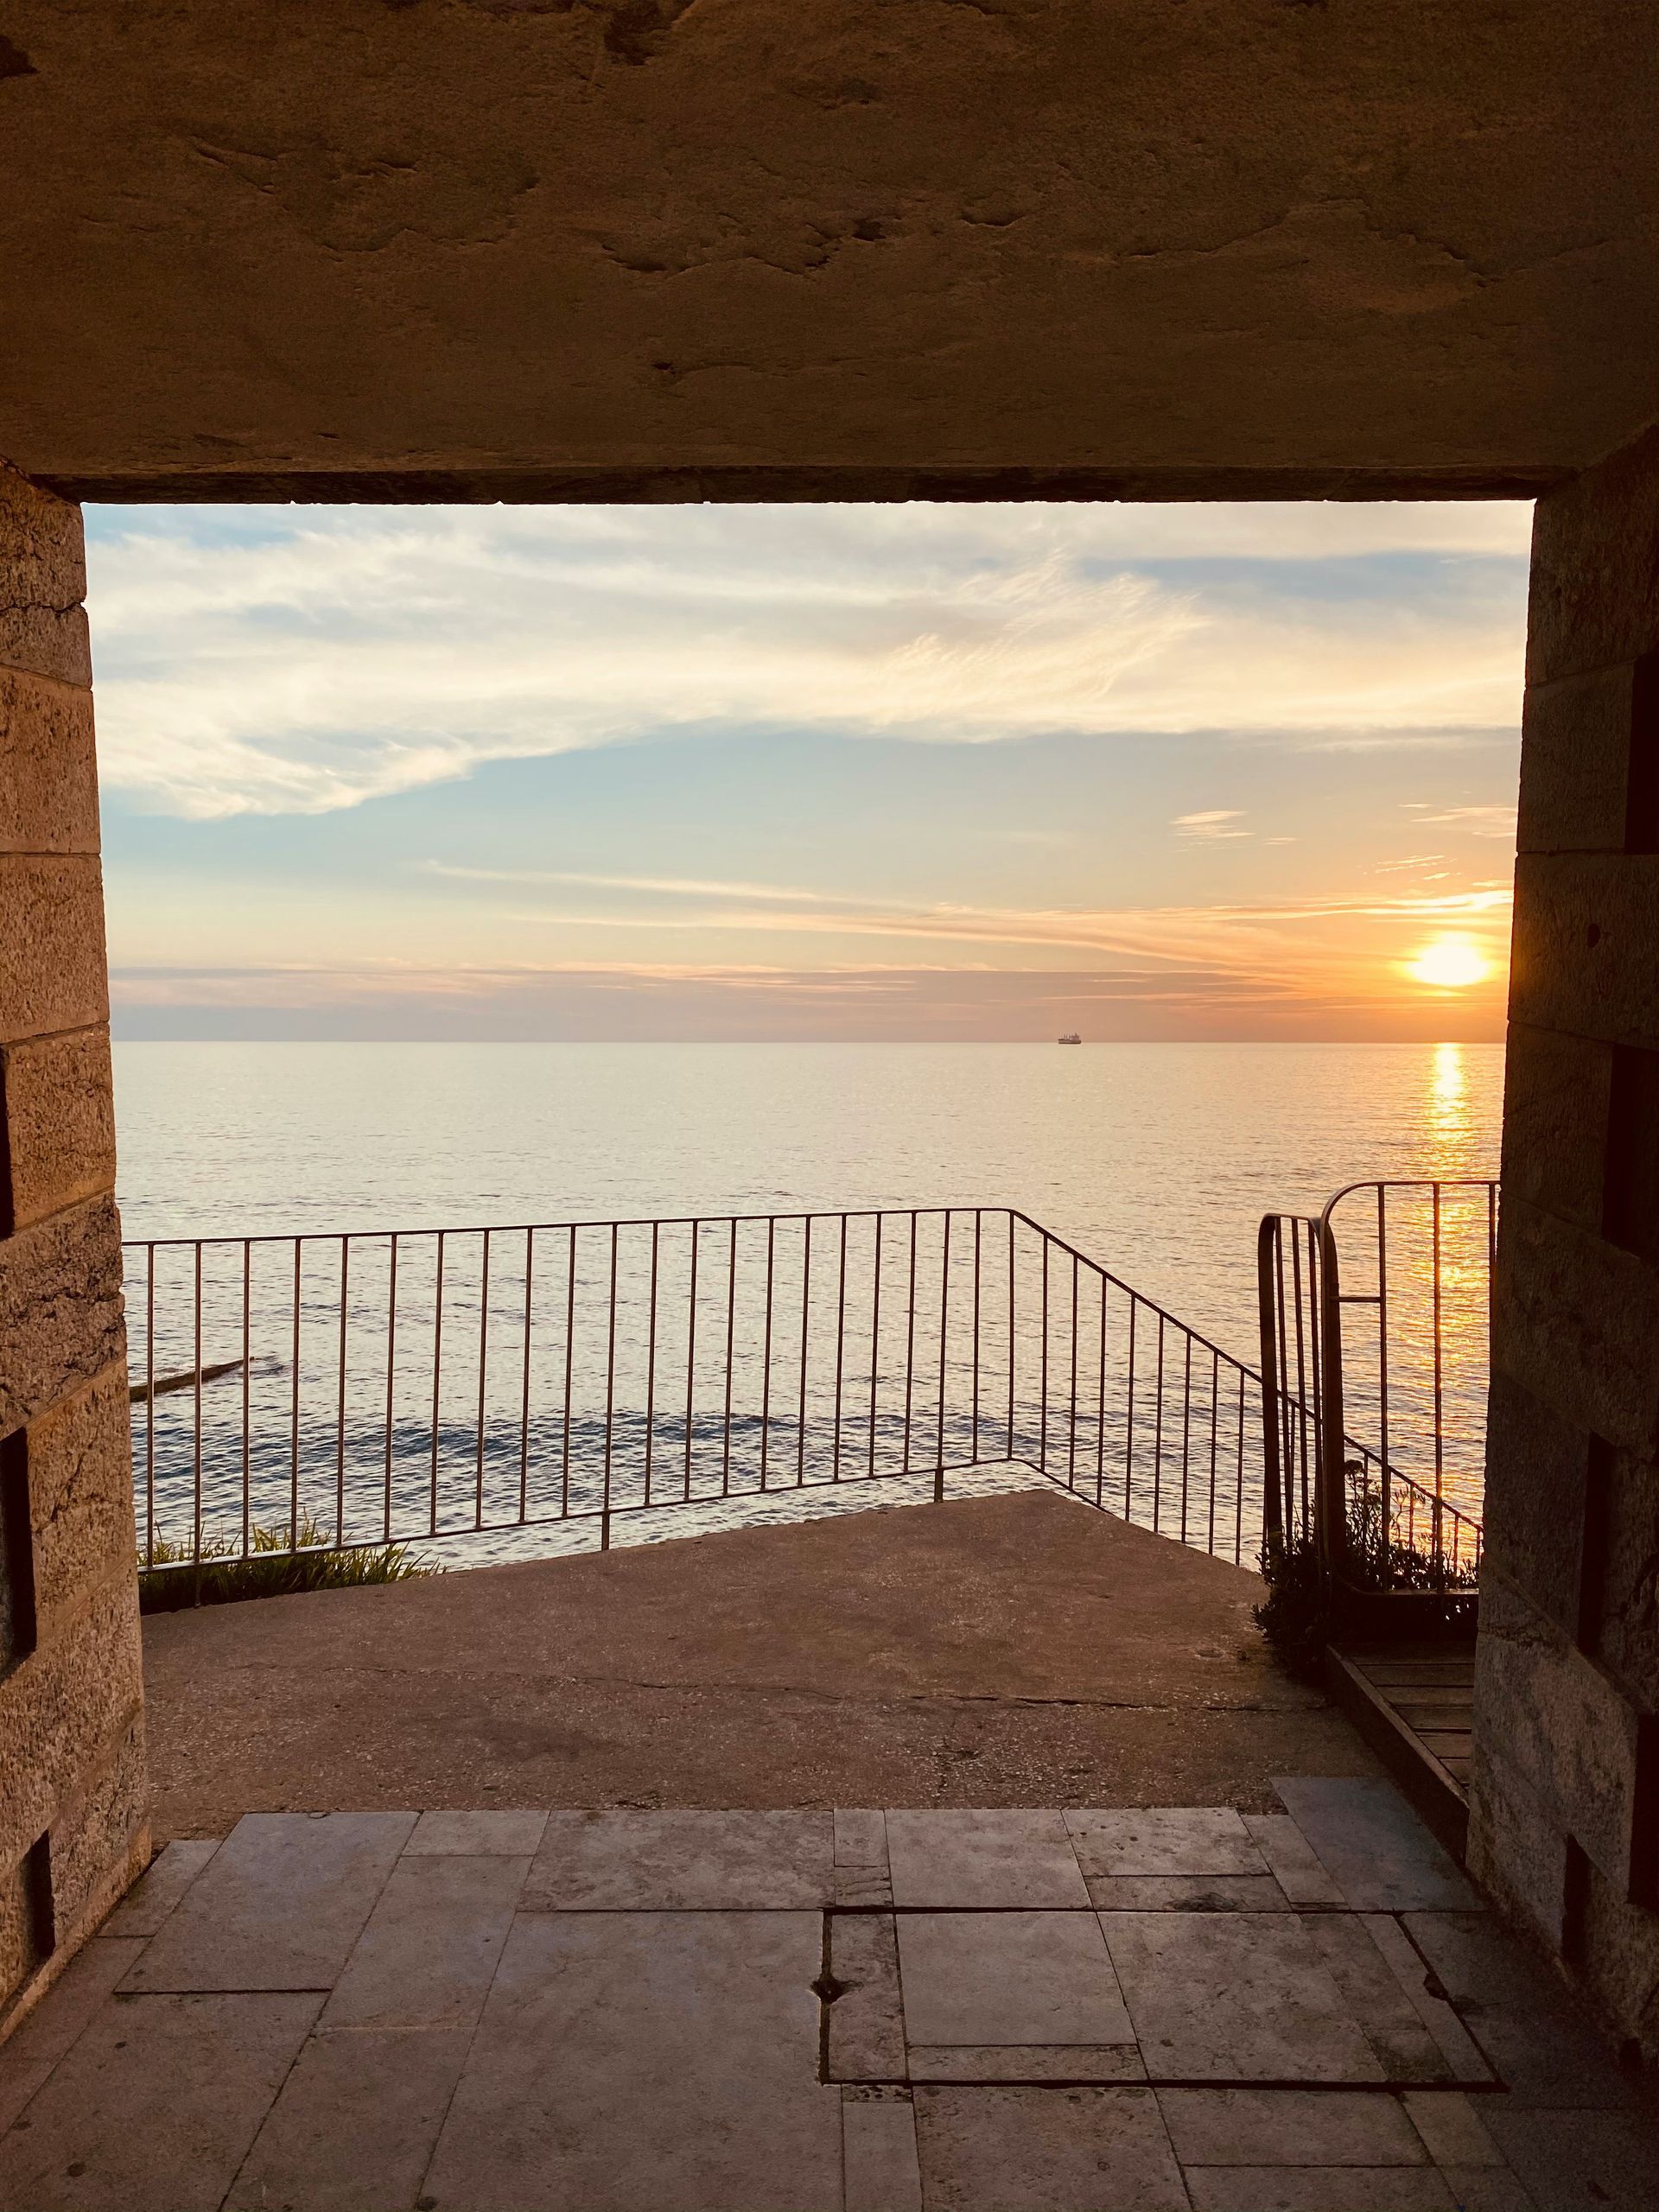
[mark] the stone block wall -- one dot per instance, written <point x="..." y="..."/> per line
<point x="72" y="1830"/>
<point x="1564" y="1823"/>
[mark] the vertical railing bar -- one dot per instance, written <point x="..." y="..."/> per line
<point x="1186" y="1428"/>
<point x="483" y="1371"/>
<point x="765" y="1372"/>
<point x="1215" y="1409"/>
<point x="1238" y="1492"/>
<point x="650" y="1362"/>
<point x="247" y="1410"/>
<point x="979" y="1220"/>
<point x="806" y="1295"/>
<point x="294" y="1420"/>
<point x="875" y="1333"/>
<point x="1011" y="1331"/>
<point x="1072" y="1441"/>
<point x="437" y="1378"/>
<point x="569" y="1357"/>
<point x="691" y="1361"/>
<point x="731" y="1325"/>
<point x="149" y="1405"/>
<point x="1128" y="1425"/>
<point x="391" y="1372"/>
<point x="1100" y="1405"/>
<point x="910" y="1339"/>
<point x="339" y="1422"/>
<point x="1158" y="1434"/>
<point x="945" y="1336"/>
<point x="840" y="1346"/>
<point x="1440" y="1384"/>
<point x="1042" y="1426"/>
<point x="610" y="1400"/>
<point x="196" y="1553"/>
<point x="523" y="1410"/>
<point x="1385" y="1477"/>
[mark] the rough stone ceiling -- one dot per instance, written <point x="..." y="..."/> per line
<point x="659" y="248"/>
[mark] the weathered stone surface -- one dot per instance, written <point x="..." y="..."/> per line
<point x="1552" y="1714"/>
<point x="42" y="582"/>
<point x="427" y="1956"/>
<point x="1627" y="1632"/>
<point x="80" y="1494"/>
<point x="51" y="971"/>
<point x="58" y="1124"/>
<point x="1002" y="1978"/>
<point x="64" y="1711"/>
<point x="1575" y="762"/>
<point x="101" y="1838"/>
<point x="511" y="1836"/>
<point x="158" y="1891"/>
<point x="60" y="1314"/>
<point x="1619" y="1958"/>
<point x="1556" y="1095"/>
<point x="1289" y="2127"/>
<point x="1577" y="1320"/>
<point x="38" y="2041"/>
<point x="1172" y="1839"/>
<point x="157" y="2121"/>
<point x="1585" y="924"/>
<point x="281" y="1905"/>
<point x="1536" y="1464"/>
<point x="860" y="1839"/>
<point x="1382" y="1858"/>
<point x="986" y="1858"/>
<point x="1046" y="2150"/>
<point x="1595" y="577"/>
<point x="878" y="2149"/>
<point x="684" y="1861"/>
<point x="49" y="773"/>
<point x="1296" y="1865"/>
<point x="865" y="2032"/>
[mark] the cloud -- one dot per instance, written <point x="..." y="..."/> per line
<point x="307" y="660"/>
<point x="1479" y="821"/>
<point x="1217" y="823"/>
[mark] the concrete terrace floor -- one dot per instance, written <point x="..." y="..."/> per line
<point x="1018" y="1649"/>
<point x="938" y="2010"/>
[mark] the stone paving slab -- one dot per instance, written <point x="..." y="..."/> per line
<point x="278" y="1906"/>
<point x="1021" y="2062"/>
<point x="1289" y="2127"/>
<point x="1379" y="1853"/>
<point x="647" y="2062"/>
<point x="1035" y="2150"/>
<point x="514" y="1835"/>
<point x="28" y="2055"/>
<point x="428" y="1954"/>
<point x="860" y="1839"/>
<point x="1186" y="1893"/>
<point x="151" y="1899"/>
<point x="1405" y="2049"/>
<point x="1319" y="2189"/>
<point x="995" y="1860"/>
<point x="1204" y="1840"/>
<point x="1235" y="1997"/>
<point x="1006" y="1977"/>
<point x="354" y="2125"/>
<point x="682" y="1861"/>
<point x="880" y="2171"/>
<point x="1293" y="1861"/>
<point x="865" y="2035"/>
<point x="155" y="2106"/>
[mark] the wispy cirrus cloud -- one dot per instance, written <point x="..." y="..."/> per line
<point x="304" y="662"/>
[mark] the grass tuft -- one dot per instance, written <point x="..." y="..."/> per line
<point x="176" y="1578"/>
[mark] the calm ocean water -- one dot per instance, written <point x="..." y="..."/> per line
<point x="1155" y="1159"/>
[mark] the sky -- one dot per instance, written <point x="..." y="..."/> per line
<point x="946" y="772"/>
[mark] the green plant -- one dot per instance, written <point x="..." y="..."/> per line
<point x="1295" y="1616"/>
<point x="176" y="1576"/>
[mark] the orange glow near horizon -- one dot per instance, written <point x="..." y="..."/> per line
<point x="1450" y="964"/>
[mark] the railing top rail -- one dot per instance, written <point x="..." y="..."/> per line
<point x="335" y="1236"/>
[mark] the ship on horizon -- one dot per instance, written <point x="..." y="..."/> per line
<point x="1072" y="1036"/>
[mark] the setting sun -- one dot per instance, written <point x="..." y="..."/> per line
<point x="1450" y="964"/>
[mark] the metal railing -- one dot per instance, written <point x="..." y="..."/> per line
<point x="328" y="1392"/>
<point x="1382" y="1427"/>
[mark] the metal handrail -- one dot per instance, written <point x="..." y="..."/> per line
<point x="1307" y="1425"/>
<point x="610" y="1367"/>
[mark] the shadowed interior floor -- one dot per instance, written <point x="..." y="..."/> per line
<point x="1012" y="1651"/>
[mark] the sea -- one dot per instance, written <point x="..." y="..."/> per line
<point x="1156" y="1160"/>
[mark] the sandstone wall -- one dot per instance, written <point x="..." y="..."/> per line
<point x="72" y="1828"/>
<point x="1565" y="1814"/>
